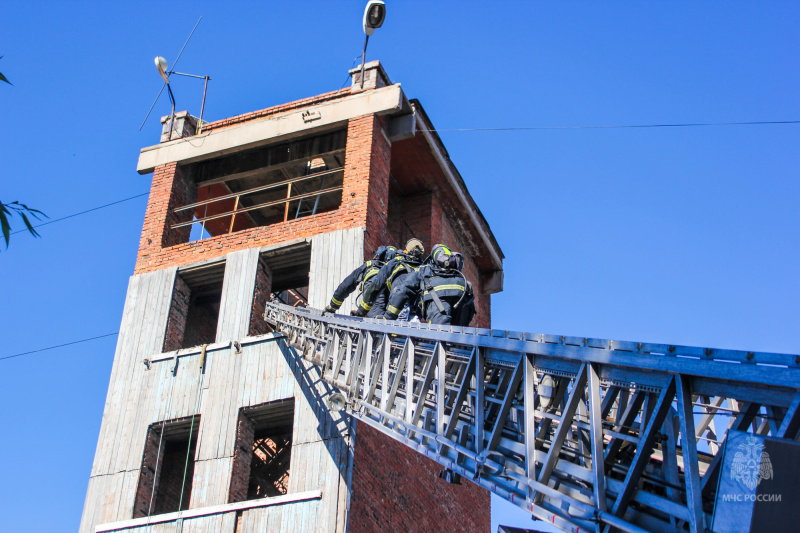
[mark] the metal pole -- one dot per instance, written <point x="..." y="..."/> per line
<point x="363" y="55"/>
<point x="202" y="107"/>
<point x="172" y="114"/>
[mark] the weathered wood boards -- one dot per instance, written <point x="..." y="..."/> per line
<point x="333" y="256"/>
<point x="174" y="386"/>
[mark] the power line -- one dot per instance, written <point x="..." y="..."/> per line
<point x="683" y="125"/>
<point x="82" y="212"/>
<point x="58" y="346"/>
<point x="523" y="128"/>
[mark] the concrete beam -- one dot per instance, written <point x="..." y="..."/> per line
<point x="402" y="127"/>
<point x="386" y="100"/>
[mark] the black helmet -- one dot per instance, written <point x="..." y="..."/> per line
<point x="385" y="253"/>
<point x="442" y="257"/>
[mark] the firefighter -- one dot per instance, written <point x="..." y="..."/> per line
<point x="358" y="278"/>
<point x="443" y="293"/>
<point x="392" y="273"/>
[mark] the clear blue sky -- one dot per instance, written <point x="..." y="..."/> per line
<point x="679" y="235"/>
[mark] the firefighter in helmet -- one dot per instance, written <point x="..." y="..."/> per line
<point x="358" y="278"/>
<point x="390" y="275"/>
<point x="443" y="294"/>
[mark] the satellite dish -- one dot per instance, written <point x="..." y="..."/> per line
<point x="161" y="65"/>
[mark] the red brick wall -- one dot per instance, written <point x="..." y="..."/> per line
<point x="171" y="476"/>
<point x="170" y="458"/>
<point x="178" y="310"/>
<point x="422" y="216"/>
<point x="144" y="489"/>
<point x="242" y="457"/>
<point x="368" y="158"/>
<point x="364" y="203"/>
<point x="258" y="326"/>
<point x="397" y="490"/>
<point x="201" y="325"/>
<point x="443" y="231"/>
<point x="410" y="216"/>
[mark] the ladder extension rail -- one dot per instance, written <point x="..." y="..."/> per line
<point x="587" y="434"/>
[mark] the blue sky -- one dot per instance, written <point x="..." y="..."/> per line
<point x="679" y="235"/>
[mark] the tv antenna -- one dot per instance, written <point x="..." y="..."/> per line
<point x="161" y="65"/>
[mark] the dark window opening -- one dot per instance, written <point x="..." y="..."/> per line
<point x="263" y="451"/>
<point x="290" y="266"/>
<point x="194" y="311"/>
<point x="265" y="185"/>
<point x="165" y="479"/>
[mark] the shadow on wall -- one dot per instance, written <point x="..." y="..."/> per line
<point x="330" y="426"/>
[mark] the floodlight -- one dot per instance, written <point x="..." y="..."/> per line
<point x="161" y="65"/>
<point x="374" y="15"/>
<point x="336" y="402"/>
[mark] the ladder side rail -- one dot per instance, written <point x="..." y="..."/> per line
<point x="436" y="388"/>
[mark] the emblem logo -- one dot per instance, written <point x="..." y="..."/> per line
<point x="751" y="463"/>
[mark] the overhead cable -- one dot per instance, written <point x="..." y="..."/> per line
<point x="681" y="125"/>
<point x="59" y="346"/>
<point x="82" y="212"/>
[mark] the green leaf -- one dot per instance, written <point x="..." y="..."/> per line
<point x="3" y="78"/>
<point x="5" y="224"/>
<point x="33" y="212"/>
<point x="28" y="225"/>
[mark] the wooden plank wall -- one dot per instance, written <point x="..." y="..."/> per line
<point x="266" y="370"/>
<point x="237" y="294"/>
<point x="142" y="330"/>
<point x="333" y="256"/>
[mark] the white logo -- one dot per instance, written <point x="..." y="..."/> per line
<point x="751" y="465"/>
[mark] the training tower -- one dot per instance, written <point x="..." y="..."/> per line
<point x="212" y="423"/>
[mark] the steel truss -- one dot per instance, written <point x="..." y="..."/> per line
<point x="587" y="434"/>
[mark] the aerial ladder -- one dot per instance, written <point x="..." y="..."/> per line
<point x="588" y="434"/>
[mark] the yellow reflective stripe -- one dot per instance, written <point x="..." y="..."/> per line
<point x="365" y="307"/>
<point x="335" y="301"/>
<point x="446" y="287"/>
<point x="393" y="309"/>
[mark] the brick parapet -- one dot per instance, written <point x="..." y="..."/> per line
<point x="274" y="110"/>
<point x="364" y="188"/>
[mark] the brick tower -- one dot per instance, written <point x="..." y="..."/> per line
<point x="211" y="422"/>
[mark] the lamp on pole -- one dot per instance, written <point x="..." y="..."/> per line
<point x="374" y="15"/>
<point x="161" y="65"/>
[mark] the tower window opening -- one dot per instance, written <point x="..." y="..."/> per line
<point x="265" y="186"/>
<point x="263" y="451"/>
<point x="165" y="479"/>
<point x="194" y="310"/>
<point x="290" y="266"/>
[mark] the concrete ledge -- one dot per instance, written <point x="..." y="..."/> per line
<point x="206" y="511"/>
<point x="386" y="100"/>
<point x="197" y="350"/>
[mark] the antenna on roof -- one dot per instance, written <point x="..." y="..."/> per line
<point x="161" y="65"/>
<point x="374" y="15"/>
